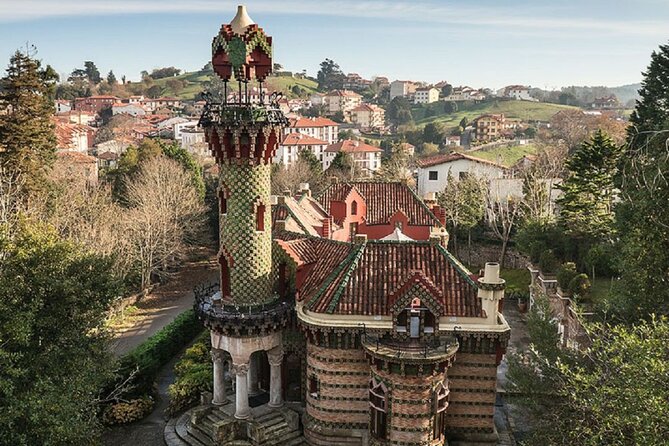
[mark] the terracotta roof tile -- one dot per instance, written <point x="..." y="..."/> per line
<point x="303" y="122"/>
<point x="299" y="139"/>
<point x="453" y="156"/>
<point x="351" y="146"/>
<point x="383" y="200"/>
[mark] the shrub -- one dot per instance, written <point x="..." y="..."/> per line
<point x="580" y="285"/>
<point x="548" y="263"/>
<point x="565" y="274"/>
<point x="149" y="357"/>
<point x="195" y="375"/>
<point x="127" y="412"/>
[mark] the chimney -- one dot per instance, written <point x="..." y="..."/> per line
<point x="491" y="291"/>
<point x="360" y="239"/>
<point x="305" y="189"/>
<point x="327" y="225"/>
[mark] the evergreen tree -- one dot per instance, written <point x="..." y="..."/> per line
<point x="463" y="201"/>
<point x="92" y="72"/>
<point x="586" y="206"/>
<point x="643" y="214"/>
<point x="111" y="78"/>
<point x="26" y="131"/>
<point x="330" y="76"/>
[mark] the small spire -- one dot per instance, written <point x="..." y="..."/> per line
<point x="241" y="21"/>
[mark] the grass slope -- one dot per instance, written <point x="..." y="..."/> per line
<point x="527" y="111"/>
<point x="195" y="84"/>
<point x="508" y="156"/>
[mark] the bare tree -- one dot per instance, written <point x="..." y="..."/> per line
<point x="165" y="216"/>
<point x="502" y="213"/>
<point x="11" y="186"/>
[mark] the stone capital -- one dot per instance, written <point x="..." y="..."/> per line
<point x="240" y="369"/>
<point x="217" y="355"/>
<point x="275" y="356"/>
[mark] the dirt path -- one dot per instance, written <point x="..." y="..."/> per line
<point x="163" y="304"/>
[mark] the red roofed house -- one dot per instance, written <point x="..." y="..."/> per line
<point x="95" y="104"/>
<point x="74" y="137"/>
<point x="293" y="143"/>
<point x="77" y="165"/>
<point x="320" y="128"/>
<point x="158" y="103"/>
<point x="341" y="101"/>
<point x="433" y="172"/>
<point x="368" y="116"/>
<point x="367" y="157"/>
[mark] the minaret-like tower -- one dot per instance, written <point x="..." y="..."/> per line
<point x="246" y="316"/>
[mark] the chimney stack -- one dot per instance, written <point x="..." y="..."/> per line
<point x="491" y="291"/>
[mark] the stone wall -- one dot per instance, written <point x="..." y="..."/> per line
<point x="483" y="252"/>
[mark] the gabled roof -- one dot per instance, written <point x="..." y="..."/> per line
<point x="304" y="215"/>
<point x="349" y="93"/>
<point x="360" y="279"/>
<point x="351" y="146"/>
<point x="383" y="200"/>
<point x="454" y="156"/>
<point x="367" y="107"/>
<point x="299" y="139"/>
<point x="303" y="122"/>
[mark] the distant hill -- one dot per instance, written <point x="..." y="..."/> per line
<point x="525" y="110"/>
<point x="193" y="84"/>
<point x="626" y="93"/>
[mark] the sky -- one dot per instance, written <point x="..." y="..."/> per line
<point x="480" y="43"/>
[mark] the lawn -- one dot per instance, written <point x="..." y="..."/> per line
<point x="507" y="156"/>
<point x="525" y="110"/>
<point x="516" y="279"/>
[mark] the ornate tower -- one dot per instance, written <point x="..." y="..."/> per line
<point x="246" y="316"/>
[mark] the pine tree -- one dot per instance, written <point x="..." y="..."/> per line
<point x="643" y="214"/>
<point x="586" y="206"/>
<point x="26" y="131"/>
<point x="111" y="78"/>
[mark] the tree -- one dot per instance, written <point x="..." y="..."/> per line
<point x="330" y="76"/>
<point x="111" y="78"/>
<point x="586" y="206"/>
<point x="344" y="167"/>
<point x="399" y="111"/>
<point x="165" y="215"/>
<point x="53" y="306"/>
<point x="446" y="90"/>
<point x="450" y="107"/>
<point x="160" y="73"/>
<point x="26" y="131"/>
<point x="435" y="133"/>
<point x="501" y="214"/>
<point x="463" y="201"/>
<point x="612" y="393"/>
<point x="397" y="166"/>
<point x="92" y="72"/>
<point x="642" y="214"/>
<point x="463" y="123"/>
<point x="155" y="91"/>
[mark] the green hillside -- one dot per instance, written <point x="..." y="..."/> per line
<point x="193" y="84"/>
<point x="507" y="156"/>
<point x="527" y="111"/>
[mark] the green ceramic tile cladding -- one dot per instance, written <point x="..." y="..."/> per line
<point x="251" y="250"/>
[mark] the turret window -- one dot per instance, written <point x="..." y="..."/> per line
<point x="260" y="217"/>
<point x="440" y="405"/>
<point x="225" y="276"/>
<point x="354" y="208"/>
<point x="378" y="408"/>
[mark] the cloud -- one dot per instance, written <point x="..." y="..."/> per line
<point x="517" y="18"/>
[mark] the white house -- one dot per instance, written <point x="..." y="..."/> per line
<point x="341" y="101"/>
<point x="368" y="116"/>
<point x="63" y="106"/>
<point x="433" y="172"/>
<point x="367" y="157"/>
<point x="192" y="139"/>
<point x="134" y="109"/>
<point x="319" y="128"/>
<point x="293" y="143"/>
<point x="402" y="88"/>
<point x="466" y="94"/>
<point x="426" y="95"/>
<point x="178" y="127"/>
<point x="517" y="92"/>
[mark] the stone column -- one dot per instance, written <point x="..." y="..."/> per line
<point x="275" y="358"/>
<point x="242" y="410"/>
<point x="254" y="365"/>
<point x="217" y="357"/>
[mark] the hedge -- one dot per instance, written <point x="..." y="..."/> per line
<point x="150" y="356"/>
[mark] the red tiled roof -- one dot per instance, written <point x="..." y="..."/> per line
<point x="383" y="200"/>
<point x="312" y="122"/>
<point x="453" y="156"/>
<point x="75" y="157"/>
<point x="298" y="139"/>
<point x="366" y="279"/>
<point x="351" y="146"/>
<point x="344" y="93"/>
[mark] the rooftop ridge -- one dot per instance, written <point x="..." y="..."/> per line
<point x="459" y="267"/>
<point x="333" y="275"/>
<point x="344" y="281"/>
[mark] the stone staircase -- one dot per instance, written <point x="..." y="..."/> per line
<point x="216" y="426"/>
